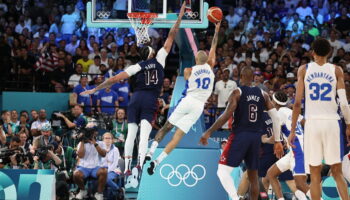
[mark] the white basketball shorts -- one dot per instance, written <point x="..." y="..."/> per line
<point x="322" y="141"/>
<point x="186" y="113"/>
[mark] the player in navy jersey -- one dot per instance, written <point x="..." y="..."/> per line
<point x="143" y="103"/>
<point x="248" y="104"/>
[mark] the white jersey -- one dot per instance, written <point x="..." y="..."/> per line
<point x="285" y="116"/>
<point x="320" y="92"/>
<point x="200" y="83"/>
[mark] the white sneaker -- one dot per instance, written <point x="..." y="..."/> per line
<point x="81" y="194"/>
<point x="98" y="196"/>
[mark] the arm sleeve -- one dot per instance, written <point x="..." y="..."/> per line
<point x="133" y="69"/>
<point x="276" y="125"/>
<point x="344" y="107"/>
<point x="161" y="56"/>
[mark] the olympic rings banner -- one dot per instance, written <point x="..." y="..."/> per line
<point x="27" y="184"/>
<point x="186" y="174"/>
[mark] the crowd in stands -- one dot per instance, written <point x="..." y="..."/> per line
<point x="45" y="45"/>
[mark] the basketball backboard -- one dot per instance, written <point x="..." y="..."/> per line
<point x="113" y="13"/>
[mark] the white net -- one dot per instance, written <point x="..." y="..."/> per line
<point x="141" y="22"/>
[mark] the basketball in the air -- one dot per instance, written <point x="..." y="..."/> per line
<point x="214" y="14"/>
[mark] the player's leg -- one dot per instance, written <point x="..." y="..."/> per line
<point x="342" y="186"/>
<point x="158" y="138"/>
<point x="243" y="185"/>
<point x="315" y="186"/>
<point x="145" y="130"/>
<point x="300" y="181"/>
<point x="224" y="174"/>
<point x="129" y="145"/>
<point x="254" y="183"/>
<point x="169" y="147"/>
<point x="272" y="175"/>
<point x="333" y="148"/>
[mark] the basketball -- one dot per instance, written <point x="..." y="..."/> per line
<point x="214" y="14"/>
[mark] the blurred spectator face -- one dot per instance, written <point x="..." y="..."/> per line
<point x="34" y="114"/>
<point x="120" y="62"/>
<point x="226" y="75"/>
<point x="344" y="12"/>
<point x="333" y="35"/>
<point x="84" y="80"/>
<point x="121" y="114"/>
<point x="104" y="53"/>
<point x="46" y="133"/>
<point x="108" y="139"/>
<point x="97" y="61"/>
<point x="202" y="45"/>
<point x="74" y="38"/>
<point x="23" y="119"/>
<point x="61" y="54"/>
<point x="85" y="54"/>
<point x="341" y="52"/>
<point x="290" y="91"/>
<point x="231" y="10"/>
<point x="296" y="17"/>
<point x="14" y="115"/>
<point x="39" y="20"/>
<point x="235" y="72"/>
<point x="78" y="52"/>
<point x="42" y="114"/>
<point x="166" y="83"/>
<point x="92" y="39"/>
<point x="99" y="79"/>
<point x="69" y="9"/>
<point x="103" y="68"/>
<point x="14" y="145"/>
<point x="23" y="137"/>
<point x="223" y="144"/>
<point x="6" y="116"/>
<point x="268" y="68"/>
<point x="111" y="63"/>
<point x="61" y="63"/>
<point x="79" y="69"/>
<point x="95" y="46"/>
<point x="77" y="111"/>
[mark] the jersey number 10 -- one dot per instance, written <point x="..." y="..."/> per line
<point x="204" y="83"/>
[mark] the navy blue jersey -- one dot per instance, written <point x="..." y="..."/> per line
<point x="150" y="77"/>
<point x="248" y="116"/>
<point x="267" y="149"/>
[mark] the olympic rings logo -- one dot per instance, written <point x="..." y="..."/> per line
<point x="182" y="174"/>
<point x="103" y="14"/>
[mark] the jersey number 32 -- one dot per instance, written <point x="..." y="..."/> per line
<point x="320" y="91"/>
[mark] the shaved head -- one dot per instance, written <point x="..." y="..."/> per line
<point x="201" y="58"/>
<point x="247" y="74"/>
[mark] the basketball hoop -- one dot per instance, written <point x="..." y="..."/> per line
<point x="140" y="22"/>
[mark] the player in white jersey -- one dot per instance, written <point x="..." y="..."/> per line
<point x="199" y="86"/>
<point x="294" y="159"/>
<point x="321" y="82"/>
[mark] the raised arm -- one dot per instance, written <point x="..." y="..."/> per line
<point x="173" y="31"/>
<point x="230" y="109"/>
<point x="297" y="104"/>
<point x="212" y="52"/>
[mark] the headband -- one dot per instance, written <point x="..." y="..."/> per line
<point x="278" y="102"/>
<point x="150" y="51"/>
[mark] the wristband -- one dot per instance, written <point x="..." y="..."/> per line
<point x="96" y="145"/>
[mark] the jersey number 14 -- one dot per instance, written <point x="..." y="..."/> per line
<point x="151" y="77"/>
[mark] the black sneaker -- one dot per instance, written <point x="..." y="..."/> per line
<point x="152" y="168"/>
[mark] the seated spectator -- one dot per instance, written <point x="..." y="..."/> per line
<point x="14" y="121"/>
<point x="73" y="45"/>
<point x="94" y="69"/>
<point x="107" y="101"/>
<point x="23" y="126"/>
<point x="133" y="56"/>
<point x="84" y="100"/>
<point x="85" y="61"/>
<point x="59" y="77"/>
<point x="111" y="160"/>
<point x="34" y="117"/>
<point x="120" y="129"/>
<point x="38" y="124"/>
<point x="6" y="126"/>
<point x="74" y="79"/>
<point x="24" y="144"/>
<point x="89" y="153"/>
<point x="114" y="53"/>
<point x="304" y="10"/>
<point x="68" y="24"/>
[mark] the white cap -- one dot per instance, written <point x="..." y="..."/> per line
<point x="290" y="75"/>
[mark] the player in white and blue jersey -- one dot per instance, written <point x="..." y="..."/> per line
<point x="199" y="86"/>
<point x="142" y="107"/>
<point x="294" y="159"/>
<point x="319" y="82"/>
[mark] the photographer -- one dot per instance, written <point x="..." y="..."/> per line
<point x="44" y="139"/>
<point x="77" y="112"/>
<point x="11" y="157"/>
<point x="25" y="145"/>
<point x="89" y="153"/>
<point x="45" y="158"/>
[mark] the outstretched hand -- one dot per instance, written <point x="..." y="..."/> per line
<point x="182" y="10"/>
<point x="291" y="139"/>
<point x="86" y="92"/>
<point x="204" y="139"/>
<point x="217" y="26"/>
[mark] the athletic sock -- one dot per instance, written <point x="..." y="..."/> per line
<point x="300" y="195"/>
<point x="153" y="148"/>
<point x="224" y="174"/>
<point x="308" y="194"/>
<point x="129" y="144"/>
<point x="161" y="157"/>
<point x="145" y="130"/>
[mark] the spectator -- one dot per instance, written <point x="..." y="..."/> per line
<point x="296" y="23"/>
<point x="74" y="79"/>
<point x="107" y="101"/>
<point x="111" y="160"/>
<point x="259" y="80"/>
<point x="94" y="97"/>
<point x="94" y="69"/>
<point x="85" y="61"/>
<point x="335" y="43"/>
<point x="14" y="121"/>
<point x="114" y="53"/>
<point x="24" y="144"/>
<point x="304" y="10"/>
<point x="133" y="55"/>
<point x="54" y="28"/>
<point x="45" y="138"/>
<point x="34" y="117"/>
<point x="104" y="57"/>
<point x="342" y="23"/>
<point x="59" y="77"/>
<point x="2" y="137"/>
<point x="21" y="25"/>
<point x="84" y="100"/>
<point x="123" y="93"/>
<point x="80" y="120"/>
<point x="23" y="127"/>
<point x="73" y="45"/>
<point x="38" y="124"/>
<point x="120" y="130"/>
<point x="89" y="154"/>
<point x="166" y="91"/>
<point x="120" y="7"/>
<point x="68" y="24"/>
